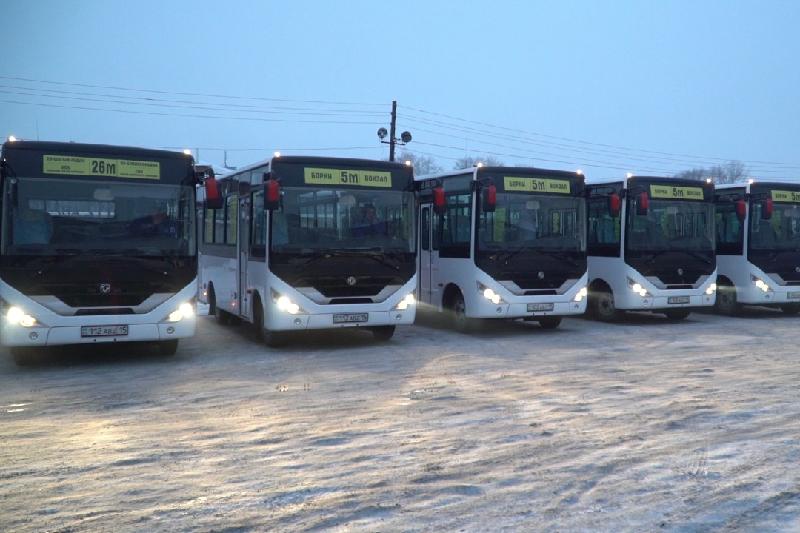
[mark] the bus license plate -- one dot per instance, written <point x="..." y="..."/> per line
<point x="350" y="318"/>
<point x="794" y="295"/>
<point x="103" y="331"/>
<point x="678" y="300"/>
<point x="532" y="308"/>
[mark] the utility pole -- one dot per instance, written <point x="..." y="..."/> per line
<point x="393" y="141"/>
<point x="392" y="129"/>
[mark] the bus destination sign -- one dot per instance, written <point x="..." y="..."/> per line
<point x="101" y="166"/>
<point x="670" y="192"/>
<point x="547" y="185"/>
<point x="338" y="176"/>
<point x="786" y="196"/>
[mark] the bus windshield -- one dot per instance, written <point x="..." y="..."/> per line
<point x="671" y="225"/>
<point x="75" y="217"/>
<point x="780" y="232"/>
<point x="536" y="222"/>
<point x="321" y="219"/>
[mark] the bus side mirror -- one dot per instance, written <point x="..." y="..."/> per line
<point x="489" y="199"/>
<point x="614" y="204"/>
<point x="438" y="200"/>
<point x="272" y="193"/>
<point x="741" y="210"/>
<point x="766" y="209"/>
<point x="643" y="205"/>
<point x="13" y="197"/>
<point x="213" y="196"/>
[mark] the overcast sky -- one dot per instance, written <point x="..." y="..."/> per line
<point x="650" y="87"/>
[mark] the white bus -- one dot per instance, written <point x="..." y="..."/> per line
<point x="98" y="246"/>
<point x="758" y="246"/>
<point x="311" y="243"/>
<point x="503" y="242"/>
<point x="651" y="247"/>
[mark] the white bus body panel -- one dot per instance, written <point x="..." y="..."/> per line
<point x="615" y="272"/>
<point x="739" y="270"/>
<point x="463" y="273"/>
<point x="55" y="329"/>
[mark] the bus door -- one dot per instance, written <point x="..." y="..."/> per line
<point x="243" y="254"/>
<point x="425" y="252"/>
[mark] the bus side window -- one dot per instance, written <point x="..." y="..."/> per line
<point x="258" y="225"/>
<point x="425" y="229"/>
<point x="208" y="218"/>
<point x="456" y="226"/>
<point x="729" y="229"/>
<point x="231" y="218"/>
<point x="604" y="230"/>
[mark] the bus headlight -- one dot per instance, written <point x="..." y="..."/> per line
<point x="583" y="293"/>
<point x="711" y="289"/>
<point x="407" y="301"/>
<point x="17" y="317"/>
<point x="760" y="283"/>
<point x="637" y="288"/>
<point x="185" y="310"/>
<point x="489" y="294"/>
<point x="285" y="304"/>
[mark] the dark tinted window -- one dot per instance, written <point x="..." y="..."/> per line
<point x="604" y="229"/>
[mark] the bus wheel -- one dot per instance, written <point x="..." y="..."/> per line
<point x="727" y="303"/>
<point x="258" y="319"/>
<point x="458" y="313"/>
<point x="677" y="314"/>
<point x="212" y="301"/>
<point x="549" y="322"/>
<point x="791" y="309"/>
<point x="275" y="339"/>
<point x="382" y="333"/>
<point x="168" y="347"/>
<point x="25" y="355"/>
<point x="603" y="307"/>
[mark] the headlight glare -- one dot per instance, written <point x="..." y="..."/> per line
<point x="583" y="293"/>
<point x="711" y="289"/>
<point x="407" y="301"/>
<point x="17" y="316"/>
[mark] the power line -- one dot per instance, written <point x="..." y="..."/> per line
<point x="188" y="115"/>
<point x="590" y="143"/>
<point x="528" y="141"/>
<point x="208" y="95"/>
<point x="195" y="107"/>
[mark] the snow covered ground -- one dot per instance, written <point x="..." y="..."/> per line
<point x="643" y="426"/>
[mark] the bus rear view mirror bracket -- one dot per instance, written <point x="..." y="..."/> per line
<point x="766" y="209"/>
<point x="272" y="192"/>
<point x="439" y="202"/>
<point x="643" y="204"/>
<point x="489" y="198"/>
<point x="741" y="210"/>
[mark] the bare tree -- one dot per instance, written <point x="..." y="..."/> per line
<point x="731" y="172"/>
<point x="422" y="164"/>
<point x="470" y="161"/>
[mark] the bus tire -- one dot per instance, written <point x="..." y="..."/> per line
<point x="549" y="322"/>
<point x="790" y="309"/>
<point x="458" y="313"/>
<point x="677" y="314"/>
<point x="25" y="355"/>
<point x="276" y="339"/>
<point x="383" y="333"/>
<point x="169" y="347"/>
<point x="727" y="303"/>
<point x="212" y="300"/>
<point x="603" y="307"/>
<point x="258" y="319"/>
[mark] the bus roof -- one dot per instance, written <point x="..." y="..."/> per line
<point x="70" y="147"/>
<point x="302" y="159"/>
<point x="479" y="170"/>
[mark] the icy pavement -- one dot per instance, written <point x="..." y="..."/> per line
<point x="643" y="426"/>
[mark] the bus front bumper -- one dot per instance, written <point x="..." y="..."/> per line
<point x="633" y="302"/>
<point x="286" y="322"/>
<point x="14" y="335"/>
<point x="778" y="295"/>
<point x="535" y="309"/>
